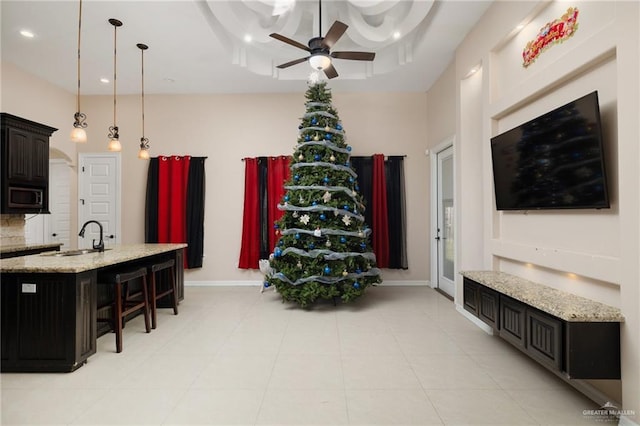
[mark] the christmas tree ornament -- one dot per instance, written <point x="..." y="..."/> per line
<point x="317" y="232"/>
<point x="277" y="252"/>
<point x="301" y="200"/>
<point x="323" y="217"/>
<point x="336" y="212"/>
<point x="316" y="137"/>
<point x="346" y="207"/>
<point x="295" y="214"/>
<point x="346" y="220"/>
<point x="327" y="128"/>
<point x="339" y="126"/>
<point x="332" y="158"/>
<point x="363" y="245"/>
<point x="317" y="157"/>
<point x="358" y="271"/>
<point x="312" y="246"/>
<point x="328" y="243"/>
<point x="326" y="197"/>
<point x="343" y="239"/>
<point x="300" y="157"/>
<point x="314" y="121"/>
<point x="328" y="136"/>
<point x="286" y="198"/>
<point x="307" y="138"/>
<point x="314" y="203"/>
<point x="349" y="148"/>
<point x="305" y="219"/>
<point x="345" y="273"/>
<point x="327" y="270"/>
<point x="297" y="236"/>
<point x="266" y="284"/>
<point x="356" y="285"/>
<point x="296" y="177"/>
<point x="299" y="265"/>
<point x="326" y="179"/>
<point x="360" y="234"/>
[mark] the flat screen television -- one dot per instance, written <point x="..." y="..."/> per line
<point x="554" y="161"/>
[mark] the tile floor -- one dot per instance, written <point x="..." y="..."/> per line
<point x="399" y="355"/>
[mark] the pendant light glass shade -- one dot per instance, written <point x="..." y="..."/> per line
<point x="78" y="134"/>
<point x="114" y="137"/>
<point x="143" y="154"/>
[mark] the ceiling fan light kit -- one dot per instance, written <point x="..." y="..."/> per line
<point x="320" y="57"/>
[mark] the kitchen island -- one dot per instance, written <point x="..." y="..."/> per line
<point x="49" y="303"/>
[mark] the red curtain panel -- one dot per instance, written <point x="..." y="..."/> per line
<point x="380" y="226"/>
<point x="173" y="175"/>
<point x="277" y="175"/>
<point x="250" y="249"/>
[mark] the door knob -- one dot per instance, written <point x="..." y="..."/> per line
<point x="54" y="235"/>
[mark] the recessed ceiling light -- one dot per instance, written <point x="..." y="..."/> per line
<point x="247" y="38"/>
<point x="104" y="80"/>
<point x="27" y="34"/>
<point x="396" y="35"/>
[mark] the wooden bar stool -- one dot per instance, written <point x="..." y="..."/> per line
<point x="171" y="290"/>
<point x="125" y="303"/>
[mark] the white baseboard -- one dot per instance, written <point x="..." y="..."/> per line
<point x="474" y="320"/>
<point x="259" y="283"/>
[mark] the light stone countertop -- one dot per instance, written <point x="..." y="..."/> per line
<point x="12" y="248"/>
<point x="49" y="263"/>
<point x="566" y="306"/>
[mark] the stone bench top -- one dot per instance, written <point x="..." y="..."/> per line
<point x="563" y="305"/>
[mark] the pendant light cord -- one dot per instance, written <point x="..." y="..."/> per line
<point x="79" y="35"/>
<point x="142" y="93"/>
<point x="115" y="56"/>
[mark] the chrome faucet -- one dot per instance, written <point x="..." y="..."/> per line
<point x="100" y="245"/>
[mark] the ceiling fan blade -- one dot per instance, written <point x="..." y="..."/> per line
<point x="290" y="63"/>
<point x="354" y="56"/>
<point x="335" y="32"/>
<point x="289" y="41"/>
<point x="330" y="72"/>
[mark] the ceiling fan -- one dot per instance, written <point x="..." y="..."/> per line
<point x="319" y="48"/>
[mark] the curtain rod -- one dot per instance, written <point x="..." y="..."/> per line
<point x="386" y="156"/>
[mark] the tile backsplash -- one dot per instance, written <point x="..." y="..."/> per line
<point x="12" y="229"/>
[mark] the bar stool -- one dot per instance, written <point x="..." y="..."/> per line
<point x="125" y="303"/>
<point x="155" y="296"/>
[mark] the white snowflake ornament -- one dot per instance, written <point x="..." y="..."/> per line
<point x="326" y="197"/>
<point x="305" y="219"/>
<point x="346" y="219"/>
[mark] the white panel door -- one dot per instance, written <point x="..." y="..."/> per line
<point x="99" y="197"/>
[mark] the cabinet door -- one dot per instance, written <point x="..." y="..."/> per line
<point x="544" y="338"/>
<point x="28" y="155"/>
<point x="470" y="291"/>
<point x="512" y="321"/>
<point x="488" y="307"/>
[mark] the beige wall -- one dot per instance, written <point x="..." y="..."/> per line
<point x="588" y="252"/>
<point x="227" y="128"/>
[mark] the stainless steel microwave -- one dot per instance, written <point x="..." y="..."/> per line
<point x="25" y="198"/>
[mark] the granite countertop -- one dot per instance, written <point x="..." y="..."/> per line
<point x="566" y="306"/>
<point x="12" y="248"/>
<point x="50" y="263"/>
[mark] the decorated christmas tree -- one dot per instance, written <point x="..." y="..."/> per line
<point x="323" y="251"/>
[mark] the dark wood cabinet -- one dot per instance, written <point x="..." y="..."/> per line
<point x="25" y="164"/>
<point x="574" y="350"/>
<point x="48" y="321"/>
<point x="482" y="302"/>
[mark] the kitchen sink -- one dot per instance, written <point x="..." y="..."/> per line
<point x="72" y="252"/>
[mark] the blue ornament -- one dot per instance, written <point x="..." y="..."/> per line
<point x="307" y="138"/>
<point x="266" y="284"/>
<point x="357" y="187"/>
<point x="358" y="271"/>
<point x="296" y="177"/>
<point x="363" y="245"/>
<point x="277" y="252"/>
<point x="350" y="180"/>
<point x="347" y="164"/>
<point x="314" y="120"/>
<point x="323" y="217"/>
<point x="276" y="226"/>
<point x="286" y="198"/>
<point x="343" y="240"/>
<point x="349" y="148"/>
<point x="356" y="285"/>
<point x="297" y="236"/>
<point x="328" y="136"/>
<point x="317" y="157"/>
<point x="314" y="203"/>
<point x="280" y="242"/>
<point x="327" y="270"/>
<point x="338" y="127"/>
<point x="346" y="207"/>
<point x="326" y="179"/>
<point x="312" y="246"/>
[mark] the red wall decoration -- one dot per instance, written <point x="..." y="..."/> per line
<point x="553" y="32"/>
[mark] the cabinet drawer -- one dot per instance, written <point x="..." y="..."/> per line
<point x="512" y="321"/>
<point x="544" y="338"/>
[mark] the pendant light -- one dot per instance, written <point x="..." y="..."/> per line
<point x="114" y="137"/>
<point x="78" y="134"/>
<point x="143" y="154"/>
